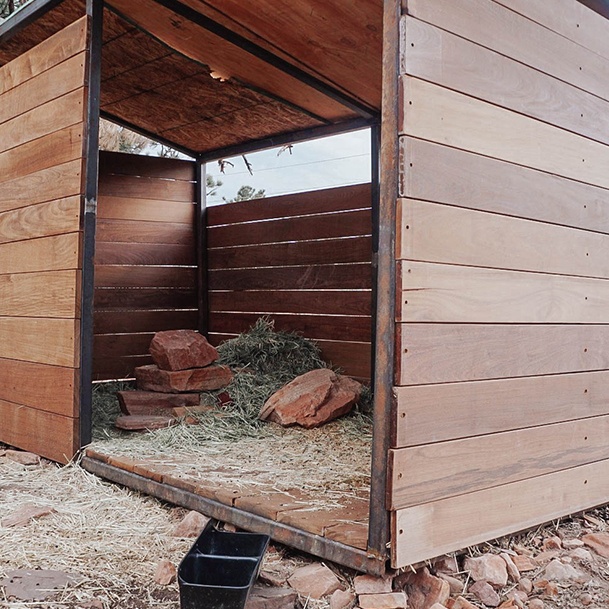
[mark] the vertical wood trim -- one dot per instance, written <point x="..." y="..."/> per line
<point x="95" y="9"/>
<point x="384" y="262"/>
<point x="200" y="226"/>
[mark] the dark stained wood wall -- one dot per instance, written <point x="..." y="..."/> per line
<point x="42" y="111"/>
<point x="305" y="261"/>
<point x="502" y="412"/>
<point x="145" y="279"/>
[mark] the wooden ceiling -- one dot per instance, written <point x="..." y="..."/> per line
<point x="261" y="69"/>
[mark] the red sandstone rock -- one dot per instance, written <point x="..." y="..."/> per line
<point x="599" y="542"/>
<point x="181" y="349"/>
<point x="314" y="580"/>
<point x="25" y="513"/>
<point x="165" y="573"/>
<point x="142" y="422"/>
<point x="312" y="399"/>
<point x="425" y="590"/>
<point x="152" y="402"/>
<point x="24" y="458"/>
<point x="152" y="378"/>
<point x="368" y="584"/>
<point x="191" y="525"/>
<point x="271" y="598"/>
<point x="488" y="567"/>
<point x="393" y="600"/>
<point x="484" y="592"/>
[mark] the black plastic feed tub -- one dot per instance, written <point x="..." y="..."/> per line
<point x="220" y="569"/>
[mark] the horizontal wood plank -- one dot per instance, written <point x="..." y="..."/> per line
<point x="124" y="276"/>
<point x="328" y="327"/>
<point x="478" y="182"/>
<point x="317" y="302"/>
<point x="43" y="433"/>
<point x="146" y="210"/>
<point x="136" y="187"/>
<point x="450" y="61"/>
<point x="120" y="345"/>
<point x="323" y="226"/>
<point x="327" y="200"/>
<point x="459" y="294"/>
<point x="442" y="353"/>
<point x="144" y="254"/>
<point x="428" y="530"/>
<point x="115" y="322"/>
<point x="117" y="367"/>
<point x="355" y="249"/>
<point x="42" y="220"/>
<point x="436" y="413"/>
<point x="498" y="28"/>
<point x="56" y="82"/>
<point x="42" y="341"/>
<point x="46" y="254"/>
<point x="145" y="298"/>
<point x="439" y="233"/>
<point x="136" y="231"/>
<point x="438" y="115"/>
<point x="46" y="185"/>
<point x="63" y="112"/>
<point x="353" y="358"/>
<point x="423" y="474"/>
<point x="39" y="386"/>
<point x="52" y="294"/>
<point x="51" y="52"/>
<point x="49" y="151"/>
<point x="121" y="163"/>
<point x="356" y="276"/>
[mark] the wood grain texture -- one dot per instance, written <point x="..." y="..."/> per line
<point x="425" y="531"/>
<point x="117" y="367"/>
<point x="459" y="294"/>
<point x="423" y="474"/>
<point x="356" y="276"/>
<point x="106" y="346"/>
<point x="323" y="226"/>
<point x="478" y="182"/>
<point x="442" y="353"/>
<point x="317" y="302"/>
<point x="47" y="54"/>
<point x="136" y="231"/>
<point x="42" y="341"/>
<point x="49" y="151"/>
<point x="573" y="20"/>
<point x="50" y="85"/>
<point x="42" y="220"/>
<point x="503" y="30"/>
<point x="328" y="327"/>
<point x="141" y="187"/>
<point x="115" y="322"/>
<point x="41" y="186"/>
<point x="145" y="298"/>
<point x="144" y="277"/>
<point x="144" y="254"/>
<point x="343" y="198"/>
<point x="437" y="413"/>
<point x="52" y="294"/>
<point x="440" y="233"/>
<point x="122" y="163"/>
<point x="355" y="249"/>
<point x="445" y="59"/>
<point x="55" y="115"/>
<point x="46" y="254"/>
<point x="438" y="115"/>
<point x="31" y="429"/>
<point x="54" y="389"/>
<point x="146" y="210"/>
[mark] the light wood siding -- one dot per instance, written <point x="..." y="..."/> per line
<point x="145" y="274"/>
<point x="304" y="261"/>
<point x="42" y="113"/>
<point x="502" y="345"/>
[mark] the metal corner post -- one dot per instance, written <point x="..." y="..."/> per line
<point x="95" y="10"/>
<point x="384" y="263"/>
<point x="201" y="245"/>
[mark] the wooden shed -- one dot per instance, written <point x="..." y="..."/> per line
<point x="466" y="281"/>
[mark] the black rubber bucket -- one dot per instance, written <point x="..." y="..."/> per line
<point x="220" y="569"/>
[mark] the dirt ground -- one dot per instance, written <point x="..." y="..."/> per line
<point x="113" y="539"/>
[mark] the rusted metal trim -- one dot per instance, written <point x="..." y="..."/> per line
<point x="282" y="533"/>
<point x="95" y="10"/>
<point x="201" y="241"/>
<point x="378" y="534"/>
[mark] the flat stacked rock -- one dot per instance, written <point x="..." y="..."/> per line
<point x="312" y="399"/>
<point x="183" y="367"/>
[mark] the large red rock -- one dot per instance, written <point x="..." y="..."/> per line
<point x="425" y="590"/>
<point x="181" y="349"/>
<point x="312" y="399"/>
<point x="152" y="378"/>
<point x="152" y="402"/>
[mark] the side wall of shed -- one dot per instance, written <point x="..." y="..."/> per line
<point x="42" y="114"/>
<point x="503" y="233"/>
